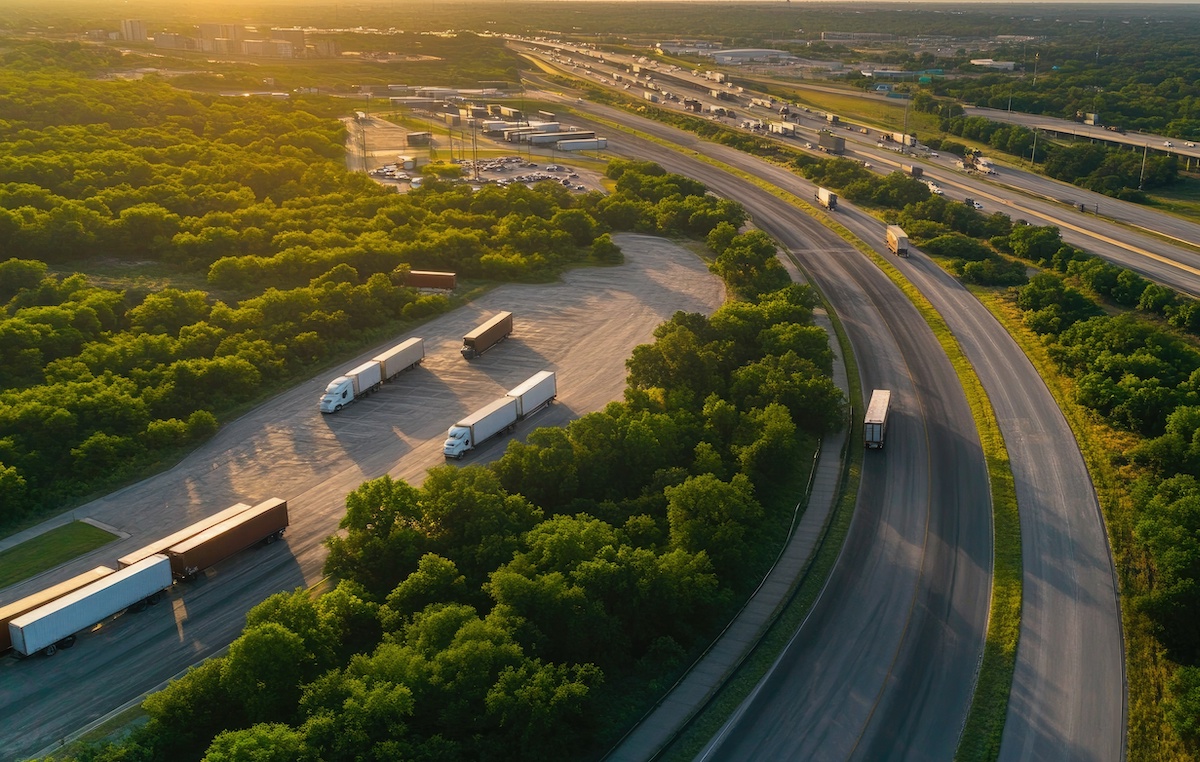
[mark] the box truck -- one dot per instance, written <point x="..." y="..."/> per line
<point x="876" y="419"/>
<point x="264" y="522"/>
<point x="41" y="598"/>
<point x="191" y="530"/>
<point x="53" y="626"/>
<point x="488" y="335"/>
<point x="352" y="387"/>
<point x="897" y="241"/>
<point x="537" y="390"/>
<point x="496" y="418"/>
<point x="405" y="355"/>
<point x="827" y="198"/>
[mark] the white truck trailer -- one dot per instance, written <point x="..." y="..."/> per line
<point x="405" y="355"/>
<point x="48" y="627"/>
<point x="480" y="426"/>
<point x="827" y="198"/>
<point x="876" y="420"/>
<point x="353" y="386"/>
<point x="537" y="390"/>
<point x="897" y="240"/>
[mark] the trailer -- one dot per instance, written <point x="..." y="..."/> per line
<point x="827" y="198"/>
<point x="405" y="355"/>
<point x="782" y="128"/>
<point x="488" y="335"/>
<point x="431" y="279"/>
<point x="832" y="118"/>
<point x="550" y="138"/>
<point x="830" y="143"/>
<point x="53" y="626"/>
<point x="897" y="241"/>
<point x="876" y="420"/>
<point x="264" y="522"/>
<point x="586" y="144"/>
<point x="191" y="530"/>
<point x="535" y="392"/>
<point x="904" y="139"/>
<point x="912" y="170"/>
<point x="42" y="597"/>
<point x="494" y="419"/>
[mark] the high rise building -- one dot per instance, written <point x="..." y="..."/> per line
<point x="293" y="35"/>
<point x="133" y="30"/>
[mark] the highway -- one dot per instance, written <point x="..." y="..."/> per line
<point x="1068" y="699"/>
<point x="584" y="327"/>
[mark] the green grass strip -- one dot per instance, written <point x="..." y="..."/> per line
<point x="980" y="739"/>
<point x="49" y="549"/>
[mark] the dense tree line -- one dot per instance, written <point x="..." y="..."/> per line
<point x="509" y="611"/>
<point x="303" y="260"/>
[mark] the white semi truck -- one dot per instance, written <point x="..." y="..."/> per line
<point x="876" y="420"/>
<point x="496" y="418"/>
<point x="54" y="625"/>
<point x="368" y="377"/>
<point x="827" y="198"/>
<point x="537" y="390"/>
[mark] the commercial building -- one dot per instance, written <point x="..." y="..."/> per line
<point x="133" y="30"/>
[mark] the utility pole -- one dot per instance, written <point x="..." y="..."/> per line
<point x="1145" y="150"/>
<point x="1036" y="57"/>
<point x="1033" y="154"/>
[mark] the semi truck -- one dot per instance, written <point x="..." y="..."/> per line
<point x="488" y="335"/>
<point x="369" y="376"/>
<point x="537" y="390"/>
<point x="494" y="419"/>
<point x="191" y="530"/>
<point x="430" y="279"/>
<point x="912" y="170"/>
<point x="53" y="626"/>
<point x="42" y="597"/>
<point x="904" y="139"/>
<point x="876" y="420"/>
<point x="830" y="143"/>
<point x="832" y="118"/>
<point x="264" y="522"/>
<point x="586" y="144"/>
<point x="827" y="198"/>
<point x="897" y="241"/>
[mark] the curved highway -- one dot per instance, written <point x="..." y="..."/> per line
<point x="1068" y="700"/>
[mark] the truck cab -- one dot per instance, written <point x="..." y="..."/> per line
<point x="458" y="442"/>
<point x="338" y="394"/>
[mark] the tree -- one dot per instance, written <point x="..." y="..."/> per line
<point x="273" y="742"/>
<point x="707" y="514"/>
<point x="264" y="670"/>
<point x="436" y="580"/>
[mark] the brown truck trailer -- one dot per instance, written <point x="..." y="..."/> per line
<point x="264" y="522"/>
<point x="430" y="279"/>
<point x="174" y="539"/>
<point x="487" y="335"/>
<point x="41" y="598"/>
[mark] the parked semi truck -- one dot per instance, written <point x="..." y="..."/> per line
<point x="827" y="198"/>
<point x="53" y="626"/>
<point x="480" y="426"/>
<point x="897" y="241"/>
<point x="191" y="530"/>
<point x="369" y="376"/>
<point x="876" y="420"/>
<point x="488" y="335"/>
<point x="264" y="522"/>
<point x="42" y="597"/>
<point x="537" y="390"/>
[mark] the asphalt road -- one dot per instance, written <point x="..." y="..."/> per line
<point x="1069" y="697"/>
<point x="583" y="328"/>
<point x="889" y="656"/>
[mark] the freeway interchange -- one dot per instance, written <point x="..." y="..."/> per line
<point x="885" y="665"/>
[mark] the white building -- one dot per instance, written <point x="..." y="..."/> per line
<point x="133" y="30"/>
<point x="993" y="64"/>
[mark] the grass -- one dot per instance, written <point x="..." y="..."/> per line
<point x="1182" y="198"/>
<point x="989" y="706"/>
<point x="50" y="549"/>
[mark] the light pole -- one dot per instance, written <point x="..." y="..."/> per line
<point x="1142" y="177"/>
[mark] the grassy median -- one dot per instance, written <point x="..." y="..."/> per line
<point x="50" y="549"/>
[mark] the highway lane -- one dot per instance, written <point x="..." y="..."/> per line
<point x="583" y="327"/>
<point x="891" y="651"/>
<point x="1069" y="696"/>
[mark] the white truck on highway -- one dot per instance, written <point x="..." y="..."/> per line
<point x="827" y="198"/>
<point x="897" y="241"/>
<point x="368" y="377"/>
<point x="496" y="418"/>
<point x="54" y="625"/>
<point x="876" y="420"/>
